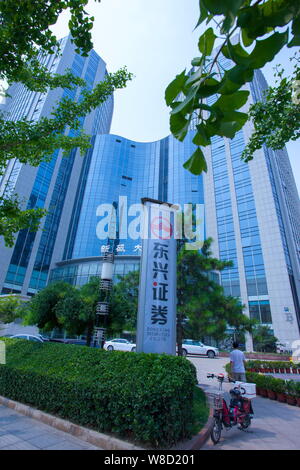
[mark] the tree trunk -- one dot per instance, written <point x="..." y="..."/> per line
<point x="89" y="334"/>
<point x="179" y="334"/>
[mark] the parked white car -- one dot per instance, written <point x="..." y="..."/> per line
<point x="193" y="347"/>
<point x="37" y="339"/>
<point x="119" y="344"/>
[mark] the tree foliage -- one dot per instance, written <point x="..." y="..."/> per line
<point x="41" y="309"/>
<point x="13" y="218"/>
<point x="24" y="36"/>
<point x="258" y="28"/>
<point x="264" y="339"/>
<point x="60" y="305"/>
<point x="32" y="142"/>
<point x="25" y="29"/>
<point x="10" y="308"/>
<point x="124" y="302"/>
<point x="276" y="119"/>
<point x="201" y="301"/>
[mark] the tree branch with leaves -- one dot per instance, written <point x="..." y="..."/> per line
<point x="258" y="28"/>
<point x="25" y="36"/>
<point x="276" y="119"/>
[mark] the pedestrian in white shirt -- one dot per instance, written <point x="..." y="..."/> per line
<point x="237" y="363"/>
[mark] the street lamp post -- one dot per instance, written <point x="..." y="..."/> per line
<point x="103" y="306"/>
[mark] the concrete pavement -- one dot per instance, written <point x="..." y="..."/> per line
<point x="276" y="426"/>
<point x="19" y="432"/>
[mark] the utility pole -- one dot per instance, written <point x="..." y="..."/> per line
<point x="103" y="306"/>
<point x="106" y="282"/>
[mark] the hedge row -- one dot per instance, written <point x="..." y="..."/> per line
<point x="273" y="366"/>
<point x="283" y="390"/>
<point x="145" y="397"/>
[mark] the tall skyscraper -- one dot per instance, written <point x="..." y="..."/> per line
<point x="253" y="212"/>
<point x="51" y="185"/>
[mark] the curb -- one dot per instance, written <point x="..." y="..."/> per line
<point x="200" y="439"/>
<point x="92" y="437"/>
<point x="98" y="439"/>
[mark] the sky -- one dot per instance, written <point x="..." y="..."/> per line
<point x="156" y="41"/>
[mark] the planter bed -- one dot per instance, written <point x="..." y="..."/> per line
<point x="267" y="386"/>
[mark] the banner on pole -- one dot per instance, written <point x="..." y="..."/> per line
<point x="156" y="327"/>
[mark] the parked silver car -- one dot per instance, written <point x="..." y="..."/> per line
<point x="119" y="344"/>
<point x="193" y="347"/>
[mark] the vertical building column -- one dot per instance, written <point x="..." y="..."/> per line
<point x="238" y="242"/>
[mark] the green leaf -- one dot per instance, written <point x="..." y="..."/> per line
<point x="175" y="87"/>
<point x="186" y="105"/>
<point x="266" y="50"/>
<point x="295" y="41"/>
<point x="179" y="126"/>
<point x="258" y="20"/>
<point x="296" y="26"/>
<point x="198" y="77"/>
<point x="246" y="40"/>
<point x="237" y="116"/>
<point x="296" y="31"/>
<point x="215" y="7"/>
<point x="233" y="101"/>
<point x="234" y="78"/>
<point x="201" y="137"/>
<point x="209" y="87"/>
<point x="228" y="129"/>
<point x="196" y="164"/>
<point x="240" y="74"/>
<point x="231" y="122"/>
<point x="236" y="53"/>
<point x="203" y="13"/>
<point x="197" y="61"/>
<point x="206" y="42"/>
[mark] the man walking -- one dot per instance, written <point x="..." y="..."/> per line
<point x="237" y="363"/>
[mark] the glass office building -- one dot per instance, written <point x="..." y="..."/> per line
<point x="252" y="212"/>
<point x="118" y="169"/>
<point x="52" y="185"/>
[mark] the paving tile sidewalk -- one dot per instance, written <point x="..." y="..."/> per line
<point x="19" y="432"/>
<point x="276" y="426"/>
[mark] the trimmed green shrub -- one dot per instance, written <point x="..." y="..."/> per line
<point x="145" y="397"/>
<point x="252" y="364"/>
<point x="297" y="388"/>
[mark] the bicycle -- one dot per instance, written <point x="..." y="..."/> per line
<point x="239" y="413"/>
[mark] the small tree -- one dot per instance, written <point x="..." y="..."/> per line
<point x="60" y="305"/>
<point x="264" y="339"/>
<point x="41" y="310"/>
<point x="202" y="301"/>
<point x="124" y="304"/>
<point x="10" y="308"/>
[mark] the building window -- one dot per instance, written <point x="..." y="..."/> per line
<point x="260" y="310"/>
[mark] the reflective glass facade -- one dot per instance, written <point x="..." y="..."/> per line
<point x="78" y="272"/>
<point x="118" y="168"/>
<point x="52" y="182"/>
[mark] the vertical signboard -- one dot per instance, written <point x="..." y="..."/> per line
<point x="156" y="327"/>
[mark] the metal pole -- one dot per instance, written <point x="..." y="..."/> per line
<point x="102" y="309"/>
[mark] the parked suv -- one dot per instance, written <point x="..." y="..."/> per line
<point x="193" y="347"/>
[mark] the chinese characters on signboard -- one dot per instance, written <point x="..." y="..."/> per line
<point x="157" y="294"/>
